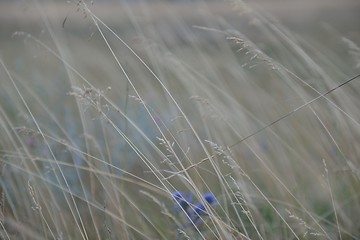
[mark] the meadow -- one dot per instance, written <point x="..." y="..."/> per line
<point x="179" y="120"/>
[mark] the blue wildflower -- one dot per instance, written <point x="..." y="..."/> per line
<point x="210" y="198"/>
<point x="200" y="210"/>
<point x="194" y="212"/>
<point x="183" y="201"/>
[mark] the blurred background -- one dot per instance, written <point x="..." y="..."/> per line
<point x="20" y="15"/>
<point x="231" y="66"/>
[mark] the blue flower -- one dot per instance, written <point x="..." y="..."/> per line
<point x="194" y="212"/>
<point x="200" y="210"/>
<point x="211" y="199"/>
<point x="183" y="201"/>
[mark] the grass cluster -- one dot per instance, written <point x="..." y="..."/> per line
<point x="182" y="127"/>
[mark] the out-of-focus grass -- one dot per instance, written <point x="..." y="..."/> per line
<point x="103" y="118"/>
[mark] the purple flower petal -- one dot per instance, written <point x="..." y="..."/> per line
<point x="210" y="198"/>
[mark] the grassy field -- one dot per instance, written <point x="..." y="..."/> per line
<point x="179" y="120"/>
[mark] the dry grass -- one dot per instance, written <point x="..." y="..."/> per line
<point x="102" y="119"/>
